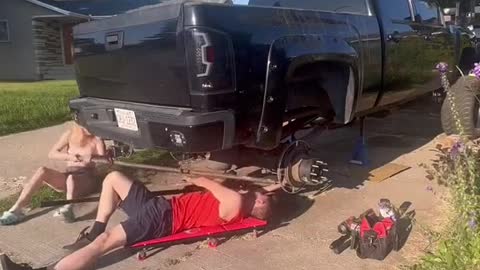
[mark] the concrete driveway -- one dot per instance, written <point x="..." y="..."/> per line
<point x="23" y="153"/>
<point x="309" y="220"/>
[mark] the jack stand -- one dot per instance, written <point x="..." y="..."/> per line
<point x="438" y="96"/>
<point x="360" y="155"/>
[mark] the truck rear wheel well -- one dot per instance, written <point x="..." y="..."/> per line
<point x="316" y="85"/>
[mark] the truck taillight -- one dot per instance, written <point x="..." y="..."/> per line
<point x="209" y="61"/>
<point x="203" y="54"/>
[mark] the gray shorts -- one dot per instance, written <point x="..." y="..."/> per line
<point x="149" y="217"/>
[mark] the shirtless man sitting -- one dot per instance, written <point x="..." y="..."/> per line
<point x="152" y="217"/>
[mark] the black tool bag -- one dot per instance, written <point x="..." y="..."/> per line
<point x="377" y="238"/>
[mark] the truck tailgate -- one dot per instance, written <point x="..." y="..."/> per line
<point x="137" y="56"/>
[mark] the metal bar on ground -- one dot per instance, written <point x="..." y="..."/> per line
<point x="96" y="199"/>
<point x="161" y="192"/>
<point x="193" y="172"/>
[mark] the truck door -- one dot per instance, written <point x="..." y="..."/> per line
<point x="402" y="53"/>
<point x="438" y="43"/>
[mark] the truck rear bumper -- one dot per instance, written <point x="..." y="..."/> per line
<point x="174" y="129"/>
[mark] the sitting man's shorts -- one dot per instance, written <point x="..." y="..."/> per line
<point x="149" y="217"/>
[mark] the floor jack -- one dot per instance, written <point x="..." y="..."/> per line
<point x="360" y="154"/>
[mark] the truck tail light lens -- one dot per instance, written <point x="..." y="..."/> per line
<point x="210" y="55"/>
<point x="202" y="47"/>
<point x="209" y="62"/>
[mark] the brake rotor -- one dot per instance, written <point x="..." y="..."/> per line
<point x="297" y="169"/>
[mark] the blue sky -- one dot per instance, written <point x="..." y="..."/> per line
<point x="240" y="2"/>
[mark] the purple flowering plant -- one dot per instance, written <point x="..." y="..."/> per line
<point x="475" y="71"/>
<point x="457" y="166"/>
<point x="457" y="149"/>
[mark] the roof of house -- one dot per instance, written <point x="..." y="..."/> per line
<point x="93" y="7"/>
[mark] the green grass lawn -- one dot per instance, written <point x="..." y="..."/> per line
<point x="151" y="157"/>
<point x="30" y="105"/>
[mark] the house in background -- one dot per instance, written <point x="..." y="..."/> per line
<point x="36" y="41"/>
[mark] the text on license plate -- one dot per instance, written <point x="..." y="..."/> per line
<point x="126" y="119"/>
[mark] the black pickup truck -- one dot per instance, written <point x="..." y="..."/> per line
<point x="200" y="77"/>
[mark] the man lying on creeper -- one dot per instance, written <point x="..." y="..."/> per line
<point x="151" y="217"/>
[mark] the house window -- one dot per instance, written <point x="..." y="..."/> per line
<point x="4" y="32"/>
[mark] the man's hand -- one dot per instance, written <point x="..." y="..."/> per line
<point x="86" y="158"/>
<point x="73" y="158"/>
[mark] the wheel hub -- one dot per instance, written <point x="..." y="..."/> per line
<point x="297" y="169"/>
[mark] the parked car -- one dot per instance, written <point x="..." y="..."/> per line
<point x="201" y="77"/>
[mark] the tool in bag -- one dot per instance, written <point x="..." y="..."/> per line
<point x="372" y="236"/>
<point x="378" y="234"/>
<point x="377" y="237"/>
<point x="349" y="230"/>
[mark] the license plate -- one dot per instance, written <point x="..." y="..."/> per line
<point x="126" y="119"/>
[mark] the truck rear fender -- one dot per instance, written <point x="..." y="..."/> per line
<point x="289" y="53"/>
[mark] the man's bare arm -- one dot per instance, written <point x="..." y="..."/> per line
<point x="230" y="200"/>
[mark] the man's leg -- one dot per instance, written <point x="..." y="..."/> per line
<point x="87" y="257"/>
<point x="142" y="211"/>
<point x="51" y="177"/>
<point x="43" y="175"/>
<point x="115" y="188"/>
